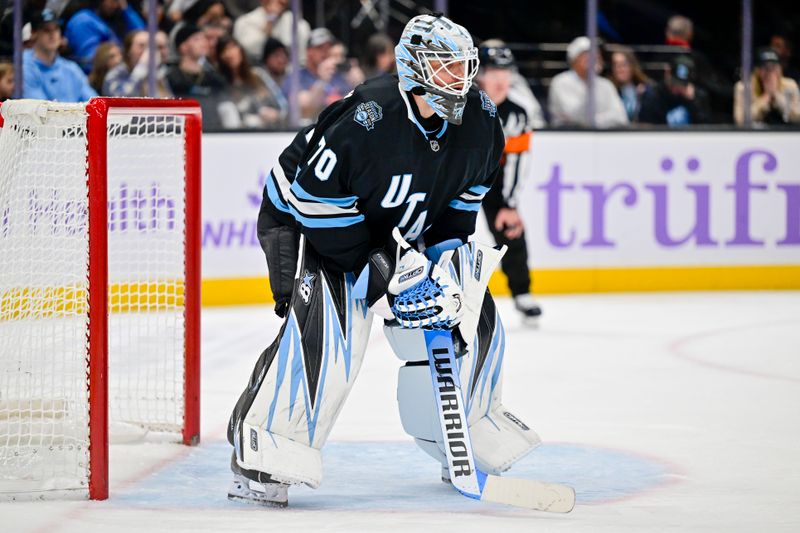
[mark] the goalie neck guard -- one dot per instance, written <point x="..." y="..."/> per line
<point x="437" y="60"/>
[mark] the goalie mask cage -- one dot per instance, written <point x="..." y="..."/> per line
<point x="99" y="285"/>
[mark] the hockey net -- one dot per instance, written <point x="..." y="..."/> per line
<point x="99" y="285"/>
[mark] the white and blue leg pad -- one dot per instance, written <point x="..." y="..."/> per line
<point x="309" y="371"/>
<point x="498" y="437"/>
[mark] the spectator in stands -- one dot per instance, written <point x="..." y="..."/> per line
<point x="273" y="71"/>
<point x="783" y="47"/>
<point x="272" y="19"/>
<point x="347" y="66"/>
<point x="676" y="101"/>
<point x="107" y="56"/>
<point x="208" y="15"/>
<point x="276" y="61"/>
<point x="90" y="27"/>
<point x="193" y="76"/>
<point x="679" y="32"/>
<point x="320" y="83"/>
<point x="214" y="33"/>
<point x="256" y="106"/>
<point x="6" y="81"/>
<point x="129" y="78"/>
<point x="629" y="79"/>
<point x="202" y="13"/>
<point x="177" y="8"/>
<point x="378" y="56"/>
<point x="775" y="99"/>
<point x="569" y="92"/>
<point x="45" y="74"/>
<point x="237" y="8"/>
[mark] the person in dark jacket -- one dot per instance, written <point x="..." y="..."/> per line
<point x="676" y="101"/>
<point x="193" y="76"/>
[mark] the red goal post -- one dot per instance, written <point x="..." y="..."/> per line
<point x="138" y="161"/>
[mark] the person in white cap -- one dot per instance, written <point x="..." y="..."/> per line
<point x="569" y="93"/>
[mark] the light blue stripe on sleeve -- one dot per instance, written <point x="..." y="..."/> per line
<point x="332" y="222"/>
<point x="302" y="194"/>
<point x="478" y="189"/>
<point x="274" y="197"/>
<point x="464" y="206"/>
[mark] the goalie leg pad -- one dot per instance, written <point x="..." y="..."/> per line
<point x="301" y="381"/>
<point x="499" y="438"/>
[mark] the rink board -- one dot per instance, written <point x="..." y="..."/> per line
<point x="604" y="212"/>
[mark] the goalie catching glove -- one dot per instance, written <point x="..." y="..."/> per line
<point x="421" y="294"/>
<point x="410" y="289"/>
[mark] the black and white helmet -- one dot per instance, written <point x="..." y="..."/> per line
<point x="495" y="53"/>
<point x="437" y="60"/>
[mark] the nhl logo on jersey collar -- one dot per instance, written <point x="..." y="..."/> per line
<point x="368" y="113"/>
<point x="488" y="105"/>
<point x="434" y="145"/>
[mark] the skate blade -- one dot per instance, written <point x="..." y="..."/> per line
<point x="261" y="502"/>
<point x="241" y="492"/>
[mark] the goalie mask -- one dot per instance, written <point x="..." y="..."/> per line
<point x="437" y="60"/>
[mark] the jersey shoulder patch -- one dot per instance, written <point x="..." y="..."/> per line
<point x="368" y="113"/>
<point x="487" y="104"/>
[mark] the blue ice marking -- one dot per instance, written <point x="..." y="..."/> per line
<point x="395" y="476"/>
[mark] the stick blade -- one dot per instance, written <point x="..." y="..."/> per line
<point x="529" y="494"/>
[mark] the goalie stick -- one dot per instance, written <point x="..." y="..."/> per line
<point x="464" y="474"/>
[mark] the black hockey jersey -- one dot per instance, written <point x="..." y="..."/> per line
<point x="372" y="163"/>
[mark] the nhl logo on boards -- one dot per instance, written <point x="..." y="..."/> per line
<point x="368" y="113"/>
<point x="306" y="287"/>
<point x="434" y="145"/>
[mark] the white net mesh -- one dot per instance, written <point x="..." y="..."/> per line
<point x="44" y="251"/>
<point x="44" y="248"/>
<point x="146" y="269"/>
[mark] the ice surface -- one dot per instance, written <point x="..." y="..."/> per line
<point x="666" y="412"/>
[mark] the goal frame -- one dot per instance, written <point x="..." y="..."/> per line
<point x="98" y="110"/>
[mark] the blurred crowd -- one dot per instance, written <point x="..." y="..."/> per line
<point x="233" y="56"/>
<point x="625" y="95"/>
